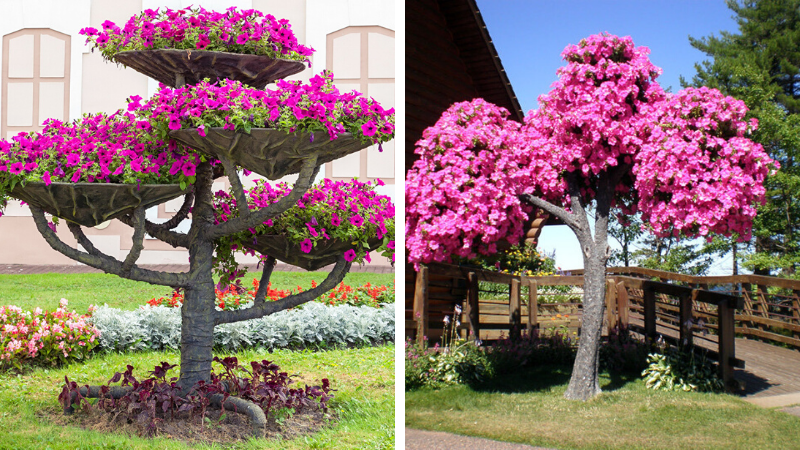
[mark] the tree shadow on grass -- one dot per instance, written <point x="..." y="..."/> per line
<point x="546" y="378"/>
<point x="529" y="379"/>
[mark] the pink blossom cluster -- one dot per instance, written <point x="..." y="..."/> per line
<point x="291" y="106"/>
<point x="597" y="115"/>
<point x="683" y="160"/>
<point x="462" y="195"/>
<point x="96" y="148"/>
<point x="236" y="31"/>
<point x="346" y="211"/>
<point x="699" y="173"/>
<point x="45" y="338"/>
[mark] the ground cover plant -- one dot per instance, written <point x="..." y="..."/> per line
<point x="606" y="140"/>
<point x="529" y="407"/>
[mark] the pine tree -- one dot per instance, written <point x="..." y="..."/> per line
<point x="761" y="65"/>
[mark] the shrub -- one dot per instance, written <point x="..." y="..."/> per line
<point x="462" y="362"/>
<point x="681" y="370"/>
<point x="508" y="354"/>
<point x="44" y="337"/>
<point x="624" y="353"/>
<point x="154" y="399"/>
<point x="312" y="325"/>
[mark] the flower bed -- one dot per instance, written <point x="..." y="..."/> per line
<point x="44" y="337"/>
<point x="96" y="148"/>
<point x="235" y="297"/>
<point x="341" y="211"/>
<point x="291" y="107"/>
<point x="236" y="31"/>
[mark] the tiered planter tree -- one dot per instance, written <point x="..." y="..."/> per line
<point x="224" y="150"/>
<point x="606" y="140"/>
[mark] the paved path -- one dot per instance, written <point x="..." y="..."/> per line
<point x="80" y="268"/>
<point x="436" y="440"/>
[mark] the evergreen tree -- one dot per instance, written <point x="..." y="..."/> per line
<point x="761" y="66"/>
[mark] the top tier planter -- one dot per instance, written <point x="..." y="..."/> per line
<point x="168" y="65"/>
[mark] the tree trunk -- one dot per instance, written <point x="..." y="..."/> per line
<point x="584" y="383"/>
<point x="197" y="312"/>
<point x="197" y="320"/>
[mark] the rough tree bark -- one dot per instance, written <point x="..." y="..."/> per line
<point x="584" y="382"/>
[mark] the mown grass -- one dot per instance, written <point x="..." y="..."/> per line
<point x="529" y="408"/>
<point x="81" y="290"/>
<point x="364" y="377"/>
<point x="364" y="400"/>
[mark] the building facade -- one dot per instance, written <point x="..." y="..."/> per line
<point x="47" y="71"/>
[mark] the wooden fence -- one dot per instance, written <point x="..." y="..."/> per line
<point x="687" y="310"/>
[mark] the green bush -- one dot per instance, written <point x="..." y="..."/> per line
<point x="682" y="370"/>
<point x="461" y="362"/>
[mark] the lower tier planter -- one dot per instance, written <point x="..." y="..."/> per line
<point x="165" y="64"/>
<point x="90" y="204"/>
<point x="326" y="252"/>
<point x="269" y="152"/>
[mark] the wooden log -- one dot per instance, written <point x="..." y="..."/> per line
<point x="473" y="310"/>
<point x="649" y="313"/>
<point x="686" y="321"/>
<point x="514" y="318"/>
<point x="533" y="307"/>
<point x="611" y="303"/>
<point x="421" y="303"/>
<point x="622" y="304"/>
<point x="727" y="342"/>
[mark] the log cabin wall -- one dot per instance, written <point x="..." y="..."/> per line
<point x="449" y="58"/>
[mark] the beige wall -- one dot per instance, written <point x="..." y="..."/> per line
<point x="103" y="86"/>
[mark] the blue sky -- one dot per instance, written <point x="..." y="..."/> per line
<point x="530" y="36"/>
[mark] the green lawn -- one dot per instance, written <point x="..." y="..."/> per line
<point x="529" y="408"/>
<point x="363" y="377"/>
<point x="82" y="290"/>
<point x="365" y="401"/>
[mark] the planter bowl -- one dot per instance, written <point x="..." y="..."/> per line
<point x="268" y="152"/>
<point x="326" y="252"/>
<point x="90" y="204"/>
<point x="165" y="64"/>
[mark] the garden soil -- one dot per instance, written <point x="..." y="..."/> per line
<point x="192" y="430"/>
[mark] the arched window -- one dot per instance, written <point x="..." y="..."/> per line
<point x="362" y="59"/>
<point x="35" y="79"/>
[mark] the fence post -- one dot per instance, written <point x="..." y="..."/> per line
<point x="533" y="307"/>
<point x="421" y="303"/>
<point x="727" y="351"/>
<point x="763" y="309"/>
<point x="686" y="319"/>
<point x="622" y="305"/>
<point x="611" y="302"/>
<point x="649" y="300"/>
<point x="514" y="313"/>
<point x="473" y="312"/>
<point x="796" y="311"/>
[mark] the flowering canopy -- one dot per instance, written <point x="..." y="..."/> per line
<point x="682" y="160"/>
<point x="346" y="211"/>
<point x="246" y="31"/>
<point x="291" y="106"/>
<point x="95" y="148"/>
<point x="462" y="194"/>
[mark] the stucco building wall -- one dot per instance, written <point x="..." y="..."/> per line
<point x="353" y="37"/>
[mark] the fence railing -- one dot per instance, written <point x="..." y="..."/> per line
<point x="689" y="311"/>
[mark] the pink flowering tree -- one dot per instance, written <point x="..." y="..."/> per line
<point x="102" y="167"/>
<point x="605" y="140"/>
